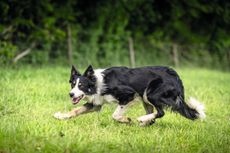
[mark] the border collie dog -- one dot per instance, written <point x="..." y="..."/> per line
<point x="156" y="87"/>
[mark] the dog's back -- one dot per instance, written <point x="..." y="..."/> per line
<point x="139" y="78"/>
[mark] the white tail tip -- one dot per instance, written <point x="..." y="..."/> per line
<point x="199" y="107"/>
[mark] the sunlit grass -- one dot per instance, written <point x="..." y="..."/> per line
<point x="30" y="96"/>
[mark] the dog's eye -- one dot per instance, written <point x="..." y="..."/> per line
<point x="80" y="85"/>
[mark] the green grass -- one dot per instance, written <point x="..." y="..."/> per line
<point x="30" y="96"/>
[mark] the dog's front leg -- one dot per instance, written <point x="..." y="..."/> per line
<point x="86" y="108"/>
<point x="118" y="115"/>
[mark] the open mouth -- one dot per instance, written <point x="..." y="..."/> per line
<point x="76" y="100"/>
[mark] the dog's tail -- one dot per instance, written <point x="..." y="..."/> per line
<point x="191" y="110"/>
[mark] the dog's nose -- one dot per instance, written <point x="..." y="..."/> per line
<point x="71" y="94"/>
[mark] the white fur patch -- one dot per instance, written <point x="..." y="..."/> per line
<point x="77" y="92"/>
<point x="195" y="104"/>
<point x="109" y="98"/>
<point x="100" y="82"/>
<point x="119" y="112"/>
<point x="145" y="98"/>
<point x="146" y="119"/>
<point x="96" y="99"/>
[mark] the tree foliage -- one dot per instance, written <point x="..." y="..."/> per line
<point x="101" y="30"/>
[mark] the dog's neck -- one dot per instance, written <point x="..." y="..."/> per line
<point x="100" y="80"/>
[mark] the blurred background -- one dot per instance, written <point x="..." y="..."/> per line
<point x="179" y="33"/>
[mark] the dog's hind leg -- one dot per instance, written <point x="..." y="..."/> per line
<point x="148" y="108"/>
<point x="118" y="115"/>
<point x="147" y="119"/>
<point x="151" y="97"/>
<point x="150" y="118"/>
<point x="86" y="108"/>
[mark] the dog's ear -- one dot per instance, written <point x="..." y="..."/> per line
<point x="89" y="73"/>
<point x="74" y="72"/>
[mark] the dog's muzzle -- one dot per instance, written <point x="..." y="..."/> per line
<point x="76" y="100"/>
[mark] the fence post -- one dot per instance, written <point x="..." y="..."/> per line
<point x="175" y="54"/>
<point x="131" y="53"/>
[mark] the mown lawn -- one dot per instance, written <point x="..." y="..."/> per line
<point x="30" y="96"/>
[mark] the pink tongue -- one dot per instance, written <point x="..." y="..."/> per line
<point x="76" y="100"/>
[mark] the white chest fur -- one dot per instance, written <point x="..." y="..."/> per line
<point x="100" y="100"/>
<point x="109" y="98"/>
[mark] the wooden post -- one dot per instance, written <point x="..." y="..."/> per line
<point x="131" y="53"/>
<point x="69" y="44"/>
<point x="175" y="54"/>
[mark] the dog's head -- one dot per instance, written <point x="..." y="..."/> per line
<point x="82" y="85"/>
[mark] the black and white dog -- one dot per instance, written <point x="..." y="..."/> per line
<point x="156" y="86"/>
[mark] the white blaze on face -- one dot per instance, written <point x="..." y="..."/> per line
<point x="77" y="92"/>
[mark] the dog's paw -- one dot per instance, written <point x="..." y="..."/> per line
<point x="123" y="119"/>
<point x="146" y="123"/>
<point x="126" y="120"/>
<point x="143" y="121"/>
<point x="61" y="116"/>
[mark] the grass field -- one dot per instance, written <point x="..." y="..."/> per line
<point x="30" y="96"/>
